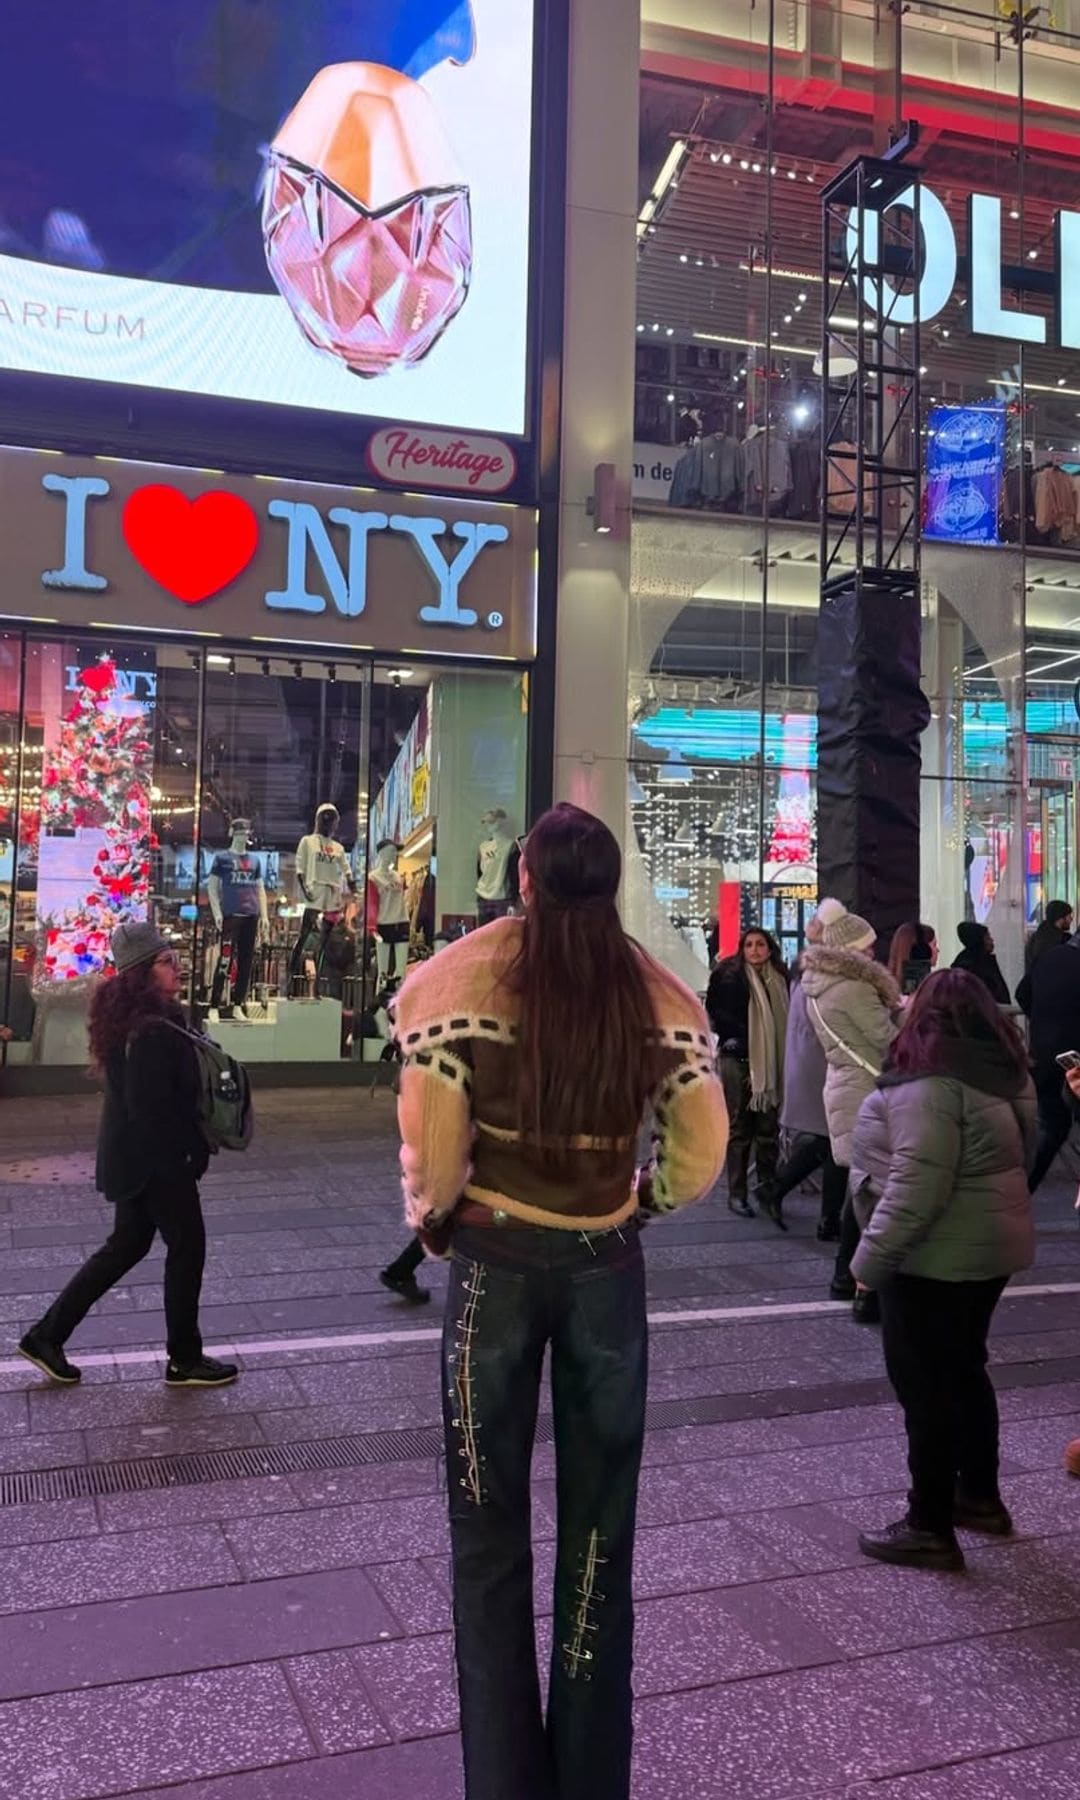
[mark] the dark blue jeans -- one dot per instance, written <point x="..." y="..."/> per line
<point x="514" y="1292"/>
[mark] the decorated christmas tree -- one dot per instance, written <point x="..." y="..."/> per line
<point x="97" y="779"/>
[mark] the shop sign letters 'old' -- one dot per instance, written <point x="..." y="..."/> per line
<point x="195" y="547"/>
<point x="988" y="315"/>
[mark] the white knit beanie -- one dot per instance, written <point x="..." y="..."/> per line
<point x="842" y="930"/>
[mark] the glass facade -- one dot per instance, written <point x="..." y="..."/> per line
<point x="188" y="785"/>
<point x="747" y="113"/>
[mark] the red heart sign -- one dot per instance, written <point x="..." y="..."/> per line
<point x="191" y="548"/>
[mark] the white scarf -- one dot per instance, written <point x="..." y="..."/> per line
<point x="768" y="1030"/>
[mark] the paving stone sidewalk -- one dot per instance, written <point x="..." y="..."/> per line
<point x="272" y="1622"/>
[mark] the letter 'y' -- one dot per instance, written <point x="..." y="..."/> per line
<point x="449" y="575"/>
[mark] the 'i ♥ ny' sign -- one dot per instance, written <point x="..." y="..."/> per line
<point x="182" y="549"/>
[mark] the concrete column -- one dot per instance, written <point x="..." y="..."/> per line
<point x="598" y="405"/>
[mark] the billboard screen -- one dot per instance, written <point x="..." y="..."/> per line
<point x="322" y="205"/>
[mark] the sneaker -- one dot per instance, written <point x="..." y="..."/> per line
<point x="406" y="1287"/>
<point x="866" y="1307"/>
<point x="901" y="1543"/>
<point x="207" y="1372"/>
<point x="989" y="1516"/>
<point x="50" y="1359"/>
<point x="828" y="1231"/>
<point x="1072" y="1457"/>
<point x="842" y="1287"/>
<point x="769" y="1206"/>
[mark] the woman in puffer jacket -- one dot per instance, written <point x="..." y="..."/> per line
<point x="853" y="1005"/>
<point x="939" y="1178"/>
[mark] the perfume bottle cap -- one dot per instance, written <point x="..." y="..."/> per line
<point x="374" y="134"/>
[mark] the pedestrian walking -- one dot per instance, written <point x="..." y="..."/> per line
<point x="913" y="955"/>
<point x="802" y="1113"/>
<point x="531" y="1050"/>
<point x="1054" y="1003"/>
<point x="853" y="1005"/>
<point x="747" y="1004"/>
<point x="939" y="1179"/>
<point x="151" y="1154"/>
<point x="977" y="958"/>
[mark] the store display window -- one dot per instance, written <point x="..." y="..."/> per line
<point x="301" y="829"/>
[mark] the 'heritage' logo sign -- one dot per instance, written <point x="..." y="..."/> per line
<point x="477" y="465"/>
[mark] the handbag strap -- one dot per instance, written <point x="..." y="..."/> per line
<point x="839" y="1042"/>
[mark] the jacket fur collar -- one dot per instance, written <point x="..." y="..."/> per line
<point x="848" y="965"/>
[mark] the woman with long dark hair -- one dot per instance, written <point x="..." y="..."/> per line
<point x="747" y="1004"/>
<point x="939" y="1179"/>
<point x="531" y="1051"/>
<point x="151" y="1154"/>
<point x="913" y="954"/>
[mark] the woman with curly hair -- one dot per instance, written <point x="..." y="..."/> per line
<point x="151" y="1153"/>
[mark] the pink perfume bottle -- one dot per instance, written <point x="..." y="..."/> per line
<point x="366" y="219"/>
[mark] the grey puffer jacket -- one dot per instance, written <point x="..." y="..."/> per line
<point x="851" y="1003"/>
<point x="805" y="1071"/>
<point x="939" y="1176"/>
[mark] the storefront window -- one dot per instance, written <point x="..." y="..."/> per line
<point x="729" y="410"/>
<point x="302" y="829"/>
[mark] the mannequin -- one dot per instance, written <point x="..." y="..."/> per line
<point x="323" y="876"/>
<point x="497" y="867"/>
<point x="238" y="903"/>
<point x="388" y="913"/>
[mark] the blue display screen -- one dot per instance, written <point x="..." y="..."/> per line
<point x="965" y="469"/>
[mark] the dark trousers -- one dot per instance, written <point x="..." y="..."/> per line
<point x="237" y="955"/>
<point x="812" y="1153"/>
<point x="934" y="1335"/>
<point x="173" y="1208"/>
<point x="1055" y="1121"/>
<point x="849" y="1233"/>
<point x="409" y="1260"/>
<point x="514" y="1293"/>
<point x="754" y="1134"/>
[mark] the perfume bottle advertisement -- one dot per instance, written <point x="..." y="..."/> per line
<point x="322" y="205"/>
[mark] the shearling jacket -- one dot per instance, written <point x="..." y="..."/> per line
<point x="852" y="1004"/>
<point x="456" y="1026"/>
<point x="939" y="1176"/>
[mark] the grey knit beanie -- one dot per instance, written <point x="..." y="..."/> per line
<point x="136" y="942"/>
<point x="843" y="930"/>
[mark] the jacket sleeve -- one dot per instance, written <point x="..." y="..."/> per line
<point x="873" y="1021"/>
<point x="435" y="1121"/>
<point x="1023" y="994"/>
<point x="691" y="1136"/>
<point x="925" y="1136"/>
<point x="726" y="1006"/>
<point x="160" y="1101"/>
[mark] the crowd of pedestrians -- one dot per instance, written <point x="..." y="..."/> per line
<point x="532" y="1053"/>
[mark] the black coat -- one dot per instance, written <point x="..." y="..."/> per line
<point x="149" y="1128"/>
<point x="1055" y="1004"/>
<point x="983" y="964"/>
<point x="727" y="1003"/>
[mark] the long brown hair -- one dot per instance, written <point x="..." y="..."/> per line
<point x="586" y="1057"/>
<point x="951" y="1008"/>
<point x="120" y="1005"/>
<point x="910" y="943"/>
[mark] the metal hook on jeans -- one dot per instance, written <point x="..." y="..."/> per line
<point x="587" y="1240"/>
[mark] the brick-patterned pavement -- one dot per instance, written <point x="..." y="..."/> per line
<point x="285" y="1635"/>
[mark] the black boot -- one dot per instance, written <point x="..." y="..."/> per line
<point x="770" y="1205"/>
<point x="903" y="1543"/>
<point x="866" y="1307"/>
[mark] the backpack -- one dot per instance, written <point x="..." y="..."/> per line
<point x="226" y="1115"/>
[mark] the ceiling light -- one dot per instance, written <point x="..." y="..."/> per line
<point x="655" y="326"/>
<point x="670" y="332"/>
<point x="739" y="405"/>
<point x="809" y="178"/>
<point x="787" y="318"/>
<point x="793" y="175"/>
<point x="726" y="158"/>
<point x="400" y="674"/>
<point x="683" y="257"/>
<point x="1061" y="381"/>
<point x="802" y="298"/>
<point x="641" y="327"/>
<point x="671" y="399"/>
<point x="756" y="168"/>
<point x="922" y="370"/>
<point x="714" y="156"/>
<point x="1014" y="212"/>
<point x="744" y="164"/>
<point x="1032" y="254"/>
<point x="945" y="333"/>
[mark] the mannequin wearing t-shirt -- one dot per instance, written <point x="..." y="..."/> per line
<point x="497" y="865"/>
<point x="392" y="915"/>
<point x="238" y="903"/>
<point x="323" y="876"/>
